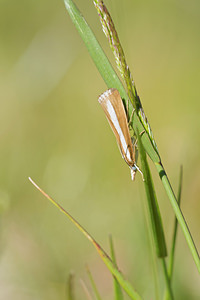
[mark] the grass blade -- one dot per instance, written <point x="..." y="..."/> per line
<point x="106" y="259"/>
<point x="172" y="252"/>
<point x="96" y="292"/>
<point x="179" y="214"/>
<point x="118" y="291"/>
<point x="153" y="208"/>
<point x="70" y="287"/>
<point x="85" y="289"/>
<point x="154" y="214"/>
<point x="167" y="280"/>
<point x="97" y="54"/>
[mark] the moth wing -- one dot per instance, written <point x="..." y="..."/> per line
<point x="113" y="107"/>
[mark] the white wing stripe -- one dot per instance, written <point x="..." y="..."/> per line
<point x="115" y="122"/>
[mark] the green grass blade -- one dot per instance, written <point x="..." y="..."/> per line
<point x="97" y="54"/>
<point x="94" y="287"/>
<point x="167" y="280"/>
<point x="179" y="214"/>
<point x="171" y="257"/>
<point x="152" y="252"/>
<point x="70" y="287"/>
<point x="153" y="208"/>
<point x="106" y="259"/>
<point x="118" y="291"/>
<point x="154" y="216"/>
<point x="172" y="252"/>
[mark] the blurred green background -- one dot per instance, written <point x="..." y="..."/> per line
<point x="53" y="129"/>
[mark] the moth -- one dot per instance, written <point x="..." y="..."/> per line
<point x="112" y="104"/>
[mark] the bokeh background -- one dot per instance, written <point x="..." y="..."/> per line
<point x="53" y="129"/>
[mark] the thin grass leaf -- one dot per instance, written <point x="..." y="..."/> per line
<point x="154" y="215"/>
<point x="167" y="280"/>
<point x="153" y="255"/>
<point x="70" y="287"/>
<point x="85" y="289"/>
<point x="179" y="214"/>
<point x="153" y="208"/>
<point x="104" y="256"/>
<point x="172" y="252"/>
<point x="94" y="287"/>
<point x="97" y="54"/>
<point x="118" y="291"/>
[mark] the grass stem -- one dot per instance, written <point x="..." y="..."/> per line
<point x="179" y="214"/>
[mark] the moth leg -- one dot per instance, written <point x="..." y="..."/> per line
<point x="137" y="168"/>
<point x="141" y="133"/>
<point x="127" y="107"/>
<point x="129" y="122"/>
<point x="135" y="142"/>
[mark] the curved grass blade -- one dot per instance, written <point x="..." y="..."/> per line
<point x="153" y="208"/>
<point x="154" y="213"/>
<point x="179" y="214"/>
<point x="106" y="259"/>
<point x="96" y="52"/>
<point x="94" y="287"/>
<point x="118" y="291"/>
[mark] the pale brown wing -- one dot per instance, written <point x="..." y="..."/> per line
<point x="113" y="107"/>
